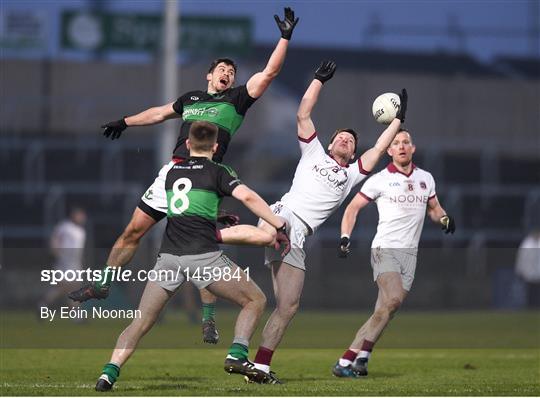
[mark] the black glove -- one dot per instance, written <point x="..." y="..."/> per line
<point x="325" y="71"/>
<point x="114" y="129"/>
<point x="227" y="219"/>
<point x="287" y="25"/>
<point x="448" y="224"/>
<point x="403" y="97"/>
<point x="344" y="247"/>
<point x="282" y="239"/>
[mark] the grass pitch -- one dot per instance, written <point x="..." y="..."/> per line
<point x="449" y="354"/>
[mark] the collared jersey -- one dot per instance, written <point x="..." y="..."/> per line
<point x="195" y="187"/>
<point x="320" y="184"/>
<point x="402" y="203"/>
<point x="226" y="110"/>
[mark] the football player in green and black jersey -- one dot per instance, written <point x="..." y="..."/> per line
<point x="194" y="187"/>
<point x="225" y="106"/>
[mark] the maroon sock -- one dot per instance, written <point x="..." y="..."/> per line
<point x="367" y="345"/>
<point x="349" y="355"/>
<point x="264" y="356"/>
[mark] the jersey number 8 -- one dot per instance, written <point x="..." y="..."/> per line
<point x="180" y="195"/>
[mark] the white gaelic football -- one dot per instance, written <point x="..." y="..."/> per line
<point x="385" y="107"/>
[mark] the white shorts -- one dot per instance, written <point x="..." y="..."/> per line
<point x="154" y="200"/>
<point x="297" y="231"/>
<point x="402" y="261"/>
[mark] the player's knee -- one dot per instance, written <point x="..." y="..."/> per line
<point x="392" y="305"/>
<point x="141" y="326"/>
<point x="260" y="301"/>
<point x="289" y="309"/>
<point x="381" y="315"/>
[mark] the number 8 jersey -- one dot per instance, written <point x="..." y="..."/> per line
<point x="195" y="187"/>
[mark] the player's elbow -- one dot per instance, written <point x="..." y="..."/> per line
<point x="302" y="116"/>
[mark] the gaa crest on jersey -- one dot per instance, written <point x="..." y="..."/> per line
<point x="423" y="185"/>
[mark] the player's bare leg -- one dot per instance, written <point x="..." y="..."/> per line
<point x="127" y="243"/>
<point x="288" y="282"/>
<point x="391" y="295"/>
<point x="236" y="235"/>
<point x="152" y="302"/>
<point x="247" y="294"/>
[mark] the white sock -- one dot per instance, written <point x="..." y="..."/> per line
<point x="264" y="368"/>
<point x="364" y="355"/>
<point x="344" y="362"/>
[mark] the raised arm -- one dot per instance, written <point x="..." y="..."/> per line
<point x="370" y="157"/>
<point x="154" y="115"/>
<point x="438" y="215"/>
<point x="348" y="221"/>
<point x="303" y="117"/>
<point x="259" y="82"/>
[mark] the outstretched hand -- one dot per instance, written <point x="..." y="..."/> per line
<point x="114" y="129"/>
<point x="287" y="25"/>
<point x="403" y="98"/>
<point x="326" y="71"/>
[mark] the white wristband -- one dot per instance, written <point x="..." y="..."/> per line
<point x="345" y="236"/>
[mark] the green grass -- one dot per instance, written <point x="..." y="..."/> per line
<point x="449" y="354"/>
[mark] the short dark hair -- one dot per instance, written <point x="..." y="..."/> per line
<point x="202" y="136"/>
<point x="350" y="131"/>
<point x="405" y="130"/>
<point x="226" y="61"/>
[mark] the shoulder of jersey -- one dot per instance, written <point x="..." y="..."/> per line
<point x="423" y="171"/>
<point x="229" y="169"/>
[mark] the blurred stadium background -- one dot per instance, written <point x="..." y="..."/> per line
<point x="472" y="71"/>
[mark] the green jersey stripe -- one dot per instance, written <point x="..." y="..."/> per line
<point x="202" y="203"/>
<point x="221" y="114"/>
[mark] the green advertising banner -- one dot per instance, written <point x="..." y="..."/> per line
<point x="142" y="32"/>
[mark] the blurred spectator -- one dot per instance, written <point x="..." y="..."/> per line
<point x="67" y="246"/>
<point x="528" y="266"/>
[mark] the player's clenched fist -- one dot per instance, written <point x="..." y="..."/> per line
<point x="448" y="224"/>
<point x="287" y="25"/>
<point x="326" y="71"/>
<point x="344" y="247"/>
<point x="114" y="129"/>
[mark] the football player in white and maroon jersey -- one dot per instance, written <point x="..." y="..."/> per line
<point x="321" y="183"/>
<point x="403" y="193"/>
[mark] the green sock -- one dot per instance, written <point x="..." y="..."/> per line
<point x="238" y="351"/>
<point x="106" y="278"/>
<point x="112" y="371"/>
<point x="208" y="311"/>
